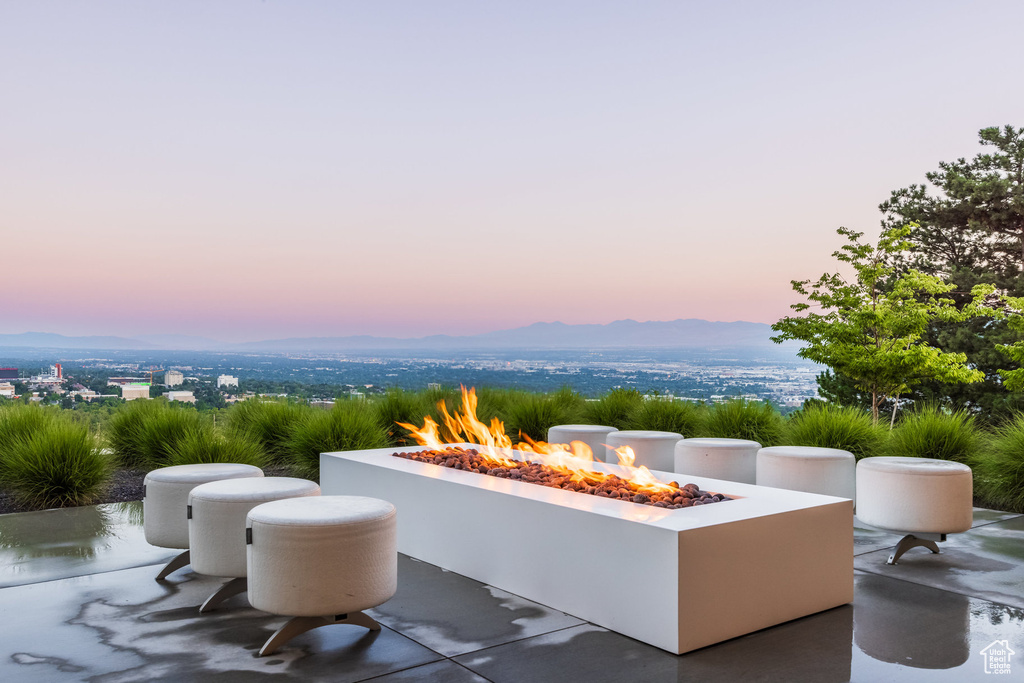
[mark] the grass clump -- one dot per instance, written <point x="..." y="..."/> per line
<point x="614" y="409"/>
<point x="397" y="406"/>
<point x="267" y="423"/>
<point x="659" y="415"/>
<point x="739" y="419"/>
<point x="999" y="470"/>
<point x="532" y="415"/>
<point x="346" y="427"/>
<point x="18" y="422"/>
<point x="56" y="466"/>
<point x="827" y="425"/>
<point x="204" y="446"/>
<point x="932" y="433"/>
<point x="145" y="433"/>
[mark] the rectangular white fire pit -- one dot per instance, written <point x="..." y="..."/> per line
<point x="677" y="579"/>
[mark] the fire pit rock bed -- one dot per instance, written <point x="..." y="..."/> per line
<point x="609" y="486"/>
<point x="763" y="558"/>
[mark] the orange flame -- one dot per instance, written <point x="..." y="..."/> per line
<point x="574" y="459"/>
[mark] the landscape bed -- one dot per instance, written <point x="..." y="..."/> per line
<point x="678" y="579"/>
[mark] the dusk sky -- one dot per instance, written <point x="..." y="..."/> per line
<point x="254" y="170"/>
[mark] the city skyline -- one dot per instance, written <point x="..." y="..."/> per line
<point x="246" y="171"/>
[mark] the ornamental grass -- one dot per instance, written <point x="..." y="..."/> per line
<point x="740" y="419"/>
<point x="931" y="432"/>
<point x="267" y="423"/>
<point x="999" y="468"/>
<point x="614" y="409"/>
<point x="827" y="425"/>
<point x="667" y="415"/>
<point x="57" y="465"/>
<point x="204" y="446"/>
<point x="348" y="426"/>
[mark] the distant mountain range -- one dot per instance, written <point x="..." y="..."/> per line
<point x="686" y="334"/>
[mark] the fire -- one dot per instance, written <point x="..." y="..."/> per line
<point x="575" y="459"/>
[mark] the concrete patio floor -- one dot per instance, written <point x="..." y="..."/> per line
<point x="78" y="602"/>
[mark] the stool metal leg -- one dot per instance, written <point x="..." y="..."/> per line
<point x="299" y="625"/>
<point x="233" y="587"/>
<point x="175" y="564"/>
<point x="913" y="541"/>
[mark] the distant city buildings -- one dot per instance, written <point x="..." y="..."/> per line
<point x="6" y="390"/>
<point x="227" y="381"/>
<point x="8" y="374"/>
<point x="183" y="396"/>
<point x="130" y="392"/>
<point x="48" y="380"/>
<point x="173" y="378"/>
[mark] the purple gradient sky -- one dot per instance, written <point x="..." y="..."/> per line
<point x="252" y="170"/>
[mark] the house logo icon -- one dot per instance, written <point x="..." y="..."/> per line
<point x="997" y="657"/>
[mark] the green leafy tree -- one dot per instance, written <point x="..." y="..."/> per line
<point x="969" y="230"/>
<point x="870" y="329"/>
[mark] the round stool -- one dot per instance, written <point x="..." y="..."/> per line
<point x="595" y="436"/>
<point x="923" y="498"/>
<point x="321" y="561"/>
<point x="828" y="471"/>
<point x="728" y="459"/>
<point x="216" y="525"/>
<point x="654" y="450"/>
<point x="165" y="503"/>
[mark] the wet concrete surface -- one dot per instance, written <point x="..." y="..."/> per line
<point x="78" y="603"/>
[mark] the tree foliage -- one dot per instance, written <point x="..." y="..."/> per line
<point x="969" y="230"/>
<point x="871" y="328"/>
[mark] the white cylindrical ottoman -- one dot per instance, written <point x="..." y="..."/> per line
<point x="216" y="525"/>
<point x="924" y="498"/>
<point x="321" y="561"/>
<point x="828" y="471"/>
<point x="595" y="436"/>
<point x="728" y="459"/>
<point x="165" y="503"/>
<point x="654" y="450"/>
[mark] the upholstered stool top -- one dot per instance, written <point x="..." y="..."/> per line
<point x="584" y="429"/>
<point x="713" y="442"/>
<point x="202" y="472"/>
<point x="253" y="490"/>
<point x="926" y="467"/>
<point x="322" y="511"/>
<point x="814" y="452"/>
<point x="627" y="435"/>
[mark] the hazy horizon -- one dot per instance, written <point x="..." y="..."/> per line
<point x="261" y="170"/>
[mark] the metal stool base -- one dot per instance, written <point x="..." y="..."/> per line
<point x="913" y="541"/>
<point x="299" y="625"/>
<point x="233" y="587"/>
<point x="175" y="564"/>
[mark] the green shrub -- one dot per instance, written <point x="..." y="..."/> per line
<point x="124" y="432"/>
<point x="999" y="469"/>
<point x="400" y="406"/>
<point x="614" y="409"/>
<point x="203" y="446"/>
<point x="739" y="419"/>
<point x="827" y="425"/>
<point x="57" y="466"/>
<point x="532" y="416"/>
<point x="268" y="423"/>
<point x="161" y="432"/>
<point x="931" y="433"/>
<point x="660" y="415"/>
<point x="348" y="426"/>
<point x="19" y="422"/>
<point x="570" y="402"/>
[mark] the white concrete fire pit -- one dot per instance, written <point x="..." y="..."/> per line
<point x="677" y="579"/>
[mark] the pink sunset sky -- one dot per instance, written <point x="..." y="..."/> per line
<point x="253" y="170"/>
